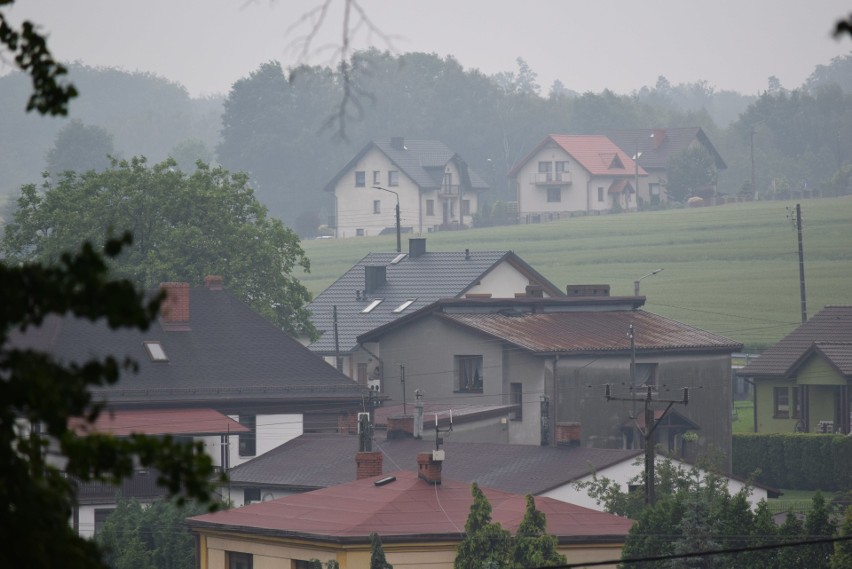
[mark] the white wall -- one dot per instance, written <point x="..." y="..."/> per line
<point x="503" y="281"/>
<point x="272" y="431"/>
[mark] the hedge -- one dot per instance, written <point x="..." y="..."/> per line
<point x="795" y="461"/>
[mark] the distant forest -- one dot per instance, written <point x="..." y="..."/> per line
<point x="279" y="125"/>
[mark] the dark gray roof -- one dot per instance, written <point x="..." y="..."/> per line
<point x="832" y="325"/>
<point x="657" y="149"/>
<point x="423" y="161"/>
<point x="314" y="461"/>
<point x="230" y="354"/>
<point x="426" y="278"/>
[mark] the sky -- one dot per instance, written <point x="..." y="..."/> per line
<point x="589" y="45"/>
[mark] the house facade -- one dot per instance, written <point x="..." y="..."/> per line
<point x="566" y="175"/>
<point x="434" y="187"/>
<point x="654" y="147"/>
<point x="554" y="360"/>
<point x="802" y="383"/>
<point x="383" y="287"/>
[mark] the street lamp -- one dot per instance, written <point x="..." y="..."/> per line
<point x="398" y="229"/>
<point x="636" y="282"/>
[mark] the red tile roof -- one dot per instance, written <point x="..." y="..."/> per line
<point x="162" y="422"/>
<point x="593" y="331"/>
<point x="619" y="186"/>
<point x="596" y="153"/>
<point x="407" y="509"/>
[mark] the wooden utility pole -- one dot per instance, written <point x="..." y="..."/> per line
<point x="801" y="263"/>
<point x="648" y="432"/>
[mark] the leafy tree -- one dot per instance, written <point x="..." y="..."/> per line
<point x="818" y="524"/>
<point x="791" y="530"/>
<point x="532" y="546"/>
<point x="377" y="553"/>
<point x="184" y="227"/>
<point x="80" y="148"/>
<point x="486" y="544"/>
<point x="842" y="558"/>
<point x="36" y="495"/>
<point x="154" y="536"/>
<point x="189" y="152"/>
<point x="688" y="171"/>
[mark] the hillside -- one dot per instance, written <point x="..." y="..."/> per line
<point x="732" y="269"/>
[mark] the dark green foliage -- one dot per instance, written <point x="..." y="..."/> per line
<point x="689" y="171"/>
<point x="842" y="558"/>
<point x="377" y="553"/>
<point x="791" y="531"/>
<point x="80" y="148"/>
<point x="35" y="496"/>
<point x="486" y="544"/>
<point x="149" y="537"/>
<point x="798" y="461"/>
<point x="818" y="525"/>
<point x="532" y="546"/>
<point x="184" y="227"/>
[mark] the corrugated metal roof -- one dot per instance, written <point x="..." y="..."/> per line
<point x="593" y="331"/>
<point x="405" y="509"/>
<point x="833" y="324"/>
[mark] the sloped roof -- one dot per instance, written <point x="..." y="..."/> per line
<point x="833" y="325"/>
<point x="406" y="509"/>
<point x="124" y="422"/>
<point x="657" y="145"/>
<point x="230" y="353"/>
<point x="423" y="161"/>
<point x="426" y="278"/>
<point x="594" y="152"/>
<point x="313" y="461"/>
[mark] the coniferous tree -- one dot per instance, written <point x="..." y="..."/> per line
<point x="486" y="544"/>
<point x="818" y="525"/>
<point x="842" y="557"/>
<point x="377" y="553"/>
<point x="533" y="547"/>
<point x="792" y="530"/>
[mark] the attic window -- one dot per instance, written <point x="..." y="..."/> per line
<point x="398" y="258"/>
<point x="617" y="163"/>
<point x="155" y="351"/>
<point x="404" y="305"/>
<point x="372" y="305"/>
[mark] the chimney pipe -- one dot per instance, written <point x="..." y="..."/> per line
<point x="416" y="247"/>
<point x="375" y="276"/>
<point x="174" y="311"/>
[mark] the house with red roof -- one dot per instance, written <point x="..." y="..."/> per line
<point x="566" y="175"/>
<point x="420" y="517"/>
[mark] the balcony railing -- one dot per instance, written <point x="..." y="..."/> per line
<point x="448" y="190"/>
<point x="551" y="178"/>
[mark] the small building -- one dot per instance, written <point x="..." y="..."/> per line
<point x="567" y="175"/>
<point x="435" y="189"/>
<point x="419" y="516"/>
<point x="802" y="383"/>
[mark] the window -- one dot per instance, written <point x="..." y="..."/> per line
<point x="404" y="305"/>
<point x="646" y="374"/>
<point x="238" y="560"/>
<point x="465" y="207"/>
<point x="360" y="178"/>
<point x="516" y="391"/>
<point x="377" y="206"/>
<point x="781" y="403"/>
<point x="248" y="441"/>
<point x="600" y="194"/>
<point x="430" y="207"/>
<point x="361" y="373"/>
<point x="101" y="515"/>
<point x="654" y="189"/>
<point x="393" y="178"/>
<point x="155" y="351"/>
<point x="546" y="168"/>
<point x="554" y="195"/>
<point x="469" y="373"/>
<point x="377" y="178"/>
<point x="359" y="233"/>
<point x="251" y="495"/>
<point x="372" y="305"/>
<point x="561" y="167"/>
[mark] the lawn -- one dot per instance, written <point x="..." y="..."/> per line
<point x="743" y="419"/>
<point x="731" y="269"/>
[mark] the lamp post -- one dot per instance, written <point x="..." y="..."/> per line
<point x="636" y="282"/>
<point x="398" y="229"/>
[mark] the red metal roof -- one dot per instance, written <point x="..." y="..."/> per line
<point x="162" y="422"/>
<point x="593" y="331"/>
<point x="405" y="509"/>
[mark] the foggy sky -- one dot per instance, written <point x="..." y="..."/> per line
<point x="207" y="45"/>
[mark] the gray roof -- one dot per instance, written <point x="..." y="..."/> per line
<point x="229" y="354"/>
<point x="829" y="331"/>
<point x="314" y="461"/>
<point x="658" y="145"/>
<point x="425" y="279"/>
<point x="423" y="161"/>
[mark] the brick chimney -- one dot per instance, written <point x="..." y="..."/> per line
<point x="368" y="464"/>
<point x="429" y="466"/>
<point x="214" y="282"/>
<point x="174" y="311"/>
<point x="569" y="434"/>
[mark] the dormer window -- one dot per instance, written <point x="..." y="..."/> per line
<point x="404" y="305"/>
<point x="372" y="305"/>
<point x="155" y="351"/>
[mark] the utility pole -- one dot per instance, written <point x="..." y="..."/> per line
<point x="796" y="218"/>
<point x="402" y="379"/>
<point x="648" y="432"/>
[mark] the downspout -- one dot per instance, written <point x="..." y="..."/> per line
<point x="420" y="208"/>
<point x="555" y="400"/>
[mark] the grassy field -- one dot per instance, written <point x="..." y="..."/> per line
<point x="731" y="269"/>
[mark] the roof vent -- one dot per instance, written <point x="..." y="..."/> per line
<point x="588" y="290"/>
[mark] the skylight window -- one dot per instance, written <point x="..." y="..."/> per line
<point x="155" y="351"/>
<point x="398" y="258"/>
<point x="372" y="305"/>
<point x="404" y="305"/>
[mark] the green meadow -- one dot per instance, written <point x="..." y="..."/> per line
<point x="730" y="269"/>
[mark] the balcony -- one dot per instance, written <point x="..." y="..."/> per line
<point x="448" y="190"/>
<point x="551" y="178"/>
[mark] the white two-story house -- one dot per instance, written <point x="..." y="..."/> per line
<point x="434" y="187"/>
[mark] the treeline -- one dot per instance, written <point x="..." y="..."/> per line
<point x="291" y="130"/>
